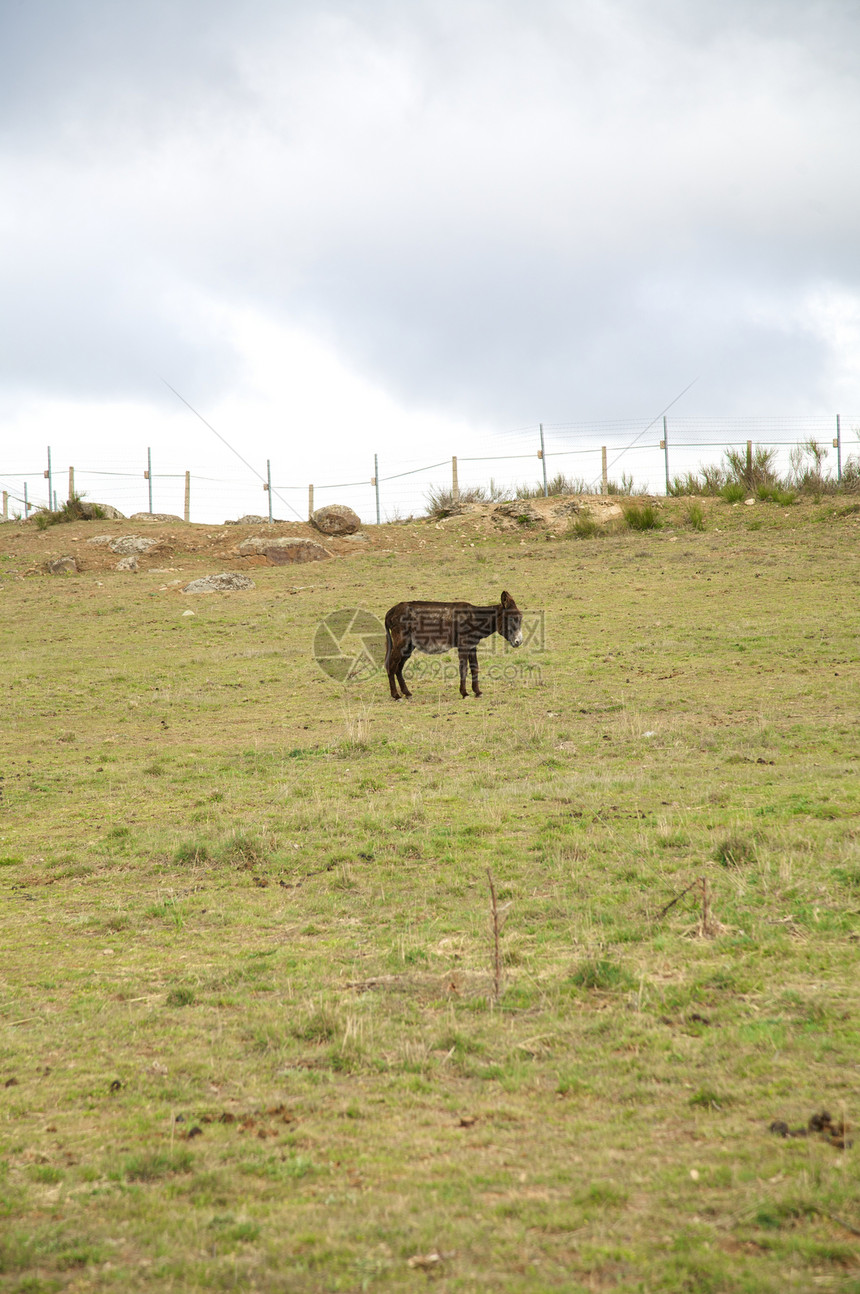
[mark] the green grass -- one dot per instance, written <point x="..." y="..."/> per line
<point x="249" y="1035"/>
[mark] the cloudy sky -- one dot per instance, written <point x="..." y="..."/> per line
<point x="412" y="226"/>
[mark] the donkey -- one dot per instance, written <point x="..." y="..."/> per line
<point x="436" y="627"/>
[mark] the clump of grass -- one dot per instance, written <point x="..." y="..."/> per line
<point x="181" y="997"/>
<point x="192" y="851"/>
<point x="558" y="484"/>
<point x="585" y="527"/>
<point x="774" y="493"/>
<point x="158" y="1164"/>
<point x="599" y="973"/>
<point x="733" y="491"/>
<point x="642" y="517"/>
<point x="735" y="851"/>
<point x="623" y="487"/>
<point x="707" y="1099"/>
<point x="441" y="502"/>
<point x="243" y="849"/>
<point x="322" y="1025"/>
<point x="695" y="517"/>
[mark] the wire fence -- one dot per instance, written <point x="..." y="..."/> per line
<point x="621" y="456"/>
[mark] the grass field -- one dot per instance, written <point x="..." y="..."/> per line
<point x="249" y="1035"/>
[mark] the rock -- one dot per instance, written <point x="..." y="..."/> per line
<point x="100" y="512"/>
<point x="62" y="566"/>
<point x="281" y="552"/>
<point x="517" y="512"/>
<point x="154" y="516"/>
<point x="336" y="519"/>
<point x="100" y="539"/>
<point x="127" y="564"/>
<point x="749" y="502"/>
<point x="250" y="520"/>
<point x="226" y="582"/>
<point x="131" y="544"/>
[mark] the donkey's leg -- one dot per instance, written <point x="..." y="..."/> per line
<point x="392" y="659"/>
<point x="473" y="666"/>
<point x="464" y="665"/>
<point x="404" y="657"/>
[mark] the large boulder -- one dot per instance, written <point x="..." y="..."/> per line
<point x="226" y="582"/>
<point x="336" y="519"/>
<point x="282" y="552"/>
<point x="129" y="544"/>
<point x="100" y="511"/>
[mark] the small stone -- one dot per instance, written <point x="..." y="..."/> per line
<point x="226" y="582"/>
<point x="63" y="566"/>
<point x="189" y="613"/>
<point x="100" y="539"/>
<point x="749" y="502"/>
<point x="127" y="564"/>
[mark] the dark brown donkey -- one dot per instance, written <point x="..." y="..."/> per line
<point x="436" y="627"/>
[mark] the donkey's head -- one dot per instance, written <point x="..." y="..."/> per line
<point x="509" y="620"/>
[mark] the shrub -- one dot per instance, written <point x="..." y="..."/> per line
<point x="695" y="516"/>
<point x="72" y="510"/>
<point x="733" y="491"/>
<point x="642" y="517"/>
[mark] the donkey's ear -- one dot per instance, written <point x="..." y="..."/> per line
<point x="506" y="599"/>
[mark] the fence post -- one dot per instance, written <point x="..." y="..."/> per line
<point x="664" y="445"/>
<point x="310" y="501"/>
<point x="268" y="487"/>
<point x="749" y="465"/>
<point x="71" y="483"/>
<point x="542" y="457"/>
<point x="187" y="496"/>
<point x="50" y="480"/>
<point x="5" y="506"/>
<point x="148" y="476"/>
<point x="604" y="488"/>
<point x="455" y="484"/>
<point x="837" y="445"/>
<point x="56" y="509"/>
<point x="376" y="483"/>
<point x="26" y="503"/>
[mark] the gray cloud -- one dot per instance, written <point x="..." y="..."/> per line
<point x="504" y="211"/>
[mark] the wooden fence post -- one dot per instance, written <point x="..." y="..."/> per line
<point x="542" y="457"/>
<point x="375" y="483"/>
<point x="187" y="496"/>
<point x="71" y="483"/>
<point x="604" y="489"/>
<point x="749" y="465"/>
<point x="310" y="501"/>
<point x="5" y="506"/>
<point x="455" y="484"/>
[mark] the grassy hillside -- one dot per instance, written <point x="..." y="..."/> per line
<point x="249" y="1034"/>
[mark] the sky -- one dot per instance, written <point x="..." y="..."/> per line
<point x="340" y="229"/>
